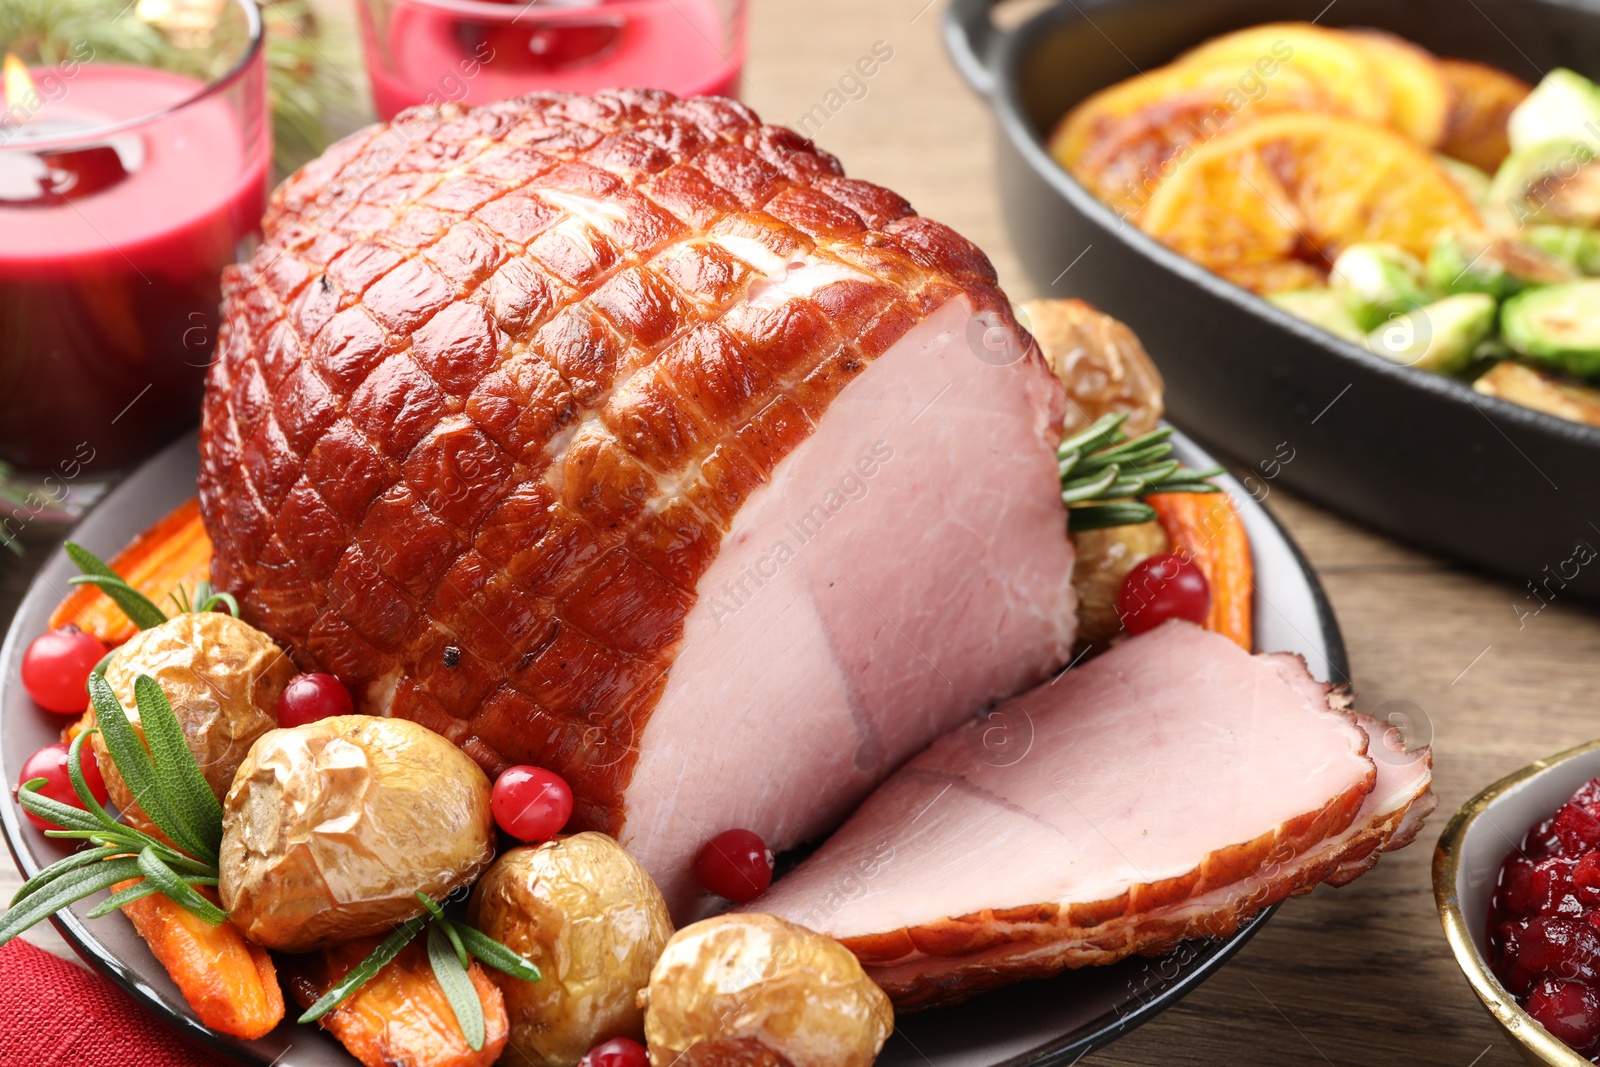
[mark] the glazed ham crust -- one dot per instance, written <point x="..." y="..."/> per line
<point x="491" y="392"/>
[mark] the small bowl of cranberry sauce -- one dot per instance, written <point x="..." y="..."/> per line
<point x="1516" y="875"/>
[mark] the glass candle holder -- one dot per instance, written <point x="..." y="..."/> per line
<point x="134" y="155"/>
<point x="479" y="51"/>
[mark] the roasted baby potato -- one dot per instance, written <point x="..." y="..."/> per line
<point x="748" y="988"/>
<point x="332" y="828"/>
<point x="1101" y="364"/>
<point x="593" y="922"/>
<point x="223" y="678"/>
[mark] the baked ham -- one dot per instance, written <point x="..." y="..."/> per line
<point x="626" y="436"/>
<point x="1169" y="789"/>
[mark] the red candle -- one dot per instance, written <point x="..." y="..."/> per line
<point x="431" y="51"/>
<point x="124" y="191"/>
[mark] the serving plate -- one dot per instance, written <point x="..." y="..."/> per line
<point x="1420" y="457"/>
<point x="1030" y="1025"/>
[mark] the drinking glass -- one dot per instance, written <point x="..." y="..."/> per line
<point x="479" y="51"/>
<point x="134" y="153"/>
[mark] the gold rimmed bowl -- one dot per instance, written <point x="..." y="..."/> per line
<point x="1466" y="864"/>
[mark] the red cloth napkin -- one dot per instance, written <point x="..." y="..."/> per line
<point x="56" y="1014"/>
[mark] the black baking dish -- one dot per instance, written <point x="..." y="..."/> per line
<point x="1415" y="455"/>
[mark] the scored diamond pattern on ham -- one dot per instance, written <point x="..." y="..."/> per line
<point x="627" y="436"/>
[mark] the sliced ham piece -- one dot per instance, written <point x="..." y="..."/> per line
<point x="626" y="436"/>
<point x="1169" y="789"/>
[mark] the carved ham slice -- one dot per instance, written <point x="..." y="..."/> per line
<point x="626" y="436"/>
<point x="1169" y="789"/>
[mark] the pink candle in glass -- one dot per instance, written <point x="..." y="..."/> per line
<point x="432" y="51"/>
<point x="124" y="191"/>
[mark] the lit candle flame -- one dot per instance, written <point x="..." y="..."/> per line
<point x="20" y="92"/>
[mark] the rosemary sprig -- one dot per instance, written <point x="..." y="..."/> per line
<point x="138" y="607"/>
<point x="450" y="946"/>
<point x="168" y="788"/>
<point x="1104" y="475"/>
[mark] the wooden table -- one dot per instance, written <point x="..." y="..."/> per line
<point x="1359" y="975"/>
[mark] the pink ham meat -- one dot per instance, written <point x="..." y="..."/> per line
<point x="626" y="436"/>
<point x="1170" y="789"/>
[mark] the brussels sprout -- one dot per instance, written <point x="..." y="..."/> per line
<point x="1320" y="307"/>
<point x="1556" y="182"/>
<point x="1378" y="281"/>
<point x="1499" y="266"/>
<point x="1440" y="337"/>
<point x="1564" y="107"/>
<point x="1577" y="247"/>
<point x="1558" y="325"/>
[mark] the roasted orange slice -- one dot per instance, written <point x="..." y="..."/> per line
<point x="1124" y="166"/>
<point x="1230" y="88"/>
<point x="1481" y="100"/>
<point x="1300" y="187"/>
<point x="1419" y="96"/>
<point x="1332" y="60"/>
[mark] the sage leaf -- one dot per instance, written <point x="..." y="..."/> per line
<point x="175" y="765"/>
<point x="133" y="762"/>
<point x="458" y="989"/>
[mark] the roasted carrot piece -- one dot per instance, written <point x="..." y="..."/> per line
<point x="174" y="553"/>
<point x="229" y="982"/>
<point x="401" y="1015"/>
<point x="1206" y="528"/>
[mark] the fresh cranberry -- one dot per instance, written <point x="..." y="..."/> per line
<point x="50" y="763"/>
<point x="618" y="1052"/>
<point x="310" y="697"/>
<point x="1551" y="890"/>
<point x="1504" y="942"/>
<point x="735" y="864"/>
<point x="1162" y="587"/>
<point x="1515" y="891"/>
<point x="1560" y="948"/>
<point x="1542" y="840"/>
<point x="1571" y="1012"/>
<point x="531" y="803"/>
<point x="1577" y="827"/>
<point x="1586" y="879"/>
<point x="56" y="666"/>
<point x="1588" y="793"/>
